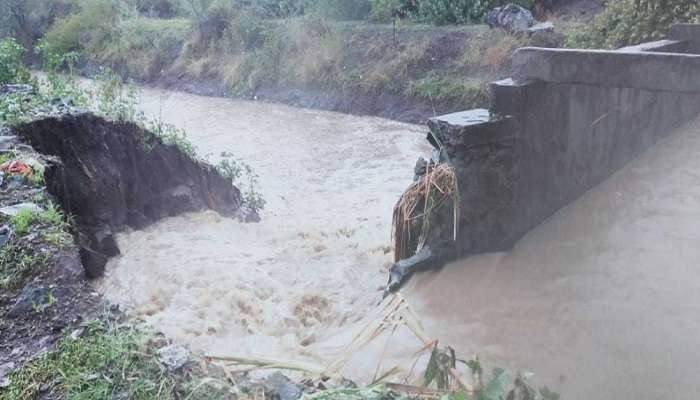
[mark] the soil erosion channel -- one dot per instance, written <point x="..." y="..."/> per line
<point x="600" y="299"/>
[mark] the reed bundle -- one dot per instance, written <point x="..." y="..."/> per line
<point x="417" y="205"/>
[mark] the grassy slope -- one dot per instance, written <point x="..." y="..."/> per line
<point x="353" y="67"/>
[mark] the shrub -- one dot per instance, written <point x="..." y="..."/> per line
<point x="439" y="12"/>
<point x="144" y="46"/>
<point x="246" y="32"/>
<point x="88" y="31"/>
<point x="12" y="70"/>
<point x="627" y="22"/>
<point x="343" y="9"/>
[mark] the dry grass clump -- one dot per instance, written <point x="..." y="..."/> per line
<point x="416" y="206"/>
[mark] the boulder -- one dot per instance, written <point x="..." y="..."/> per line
<point x="173" y="356"/>
<point x="279" y="387"/>
<point x="93" y="262"/>
<point x="512" y="18"/>
<point x="16" y="89"/>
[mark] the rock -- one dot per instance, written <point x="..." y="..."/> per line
<point x="30" y="297"/>
<point x="542" y="27"/>
<point x="279" y="387"/>
<point x="15" y="209"/>
<point x="16" y="89"/>
<point x="5" y="235"/>
<point x="7" y="142"/>
<point x="93" y="262"/>
<point x="103" y="241"/>
<point x="69" y="269"/>
<point x="5" y="370"/>
<point x="174" y="356"/>
<point x="511" y="17"/>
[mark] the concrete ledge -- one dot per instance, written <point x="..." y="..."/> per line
<point x="660" y="46"/>
<point x="641" y="70"/>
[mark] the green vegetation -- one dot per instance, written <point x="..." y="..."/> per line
<point x="26" y="218"/>
<point x="244" y="177"/>
<point x="443" y="88"/>
<point x="111" y="98"/>
<point x="17" y="263"/>
<point x="440" y="12"/>
<point x="255" y="45"/>
<point x="627" y="22"/>
<point x="107" y="361"/>
<point x="12" y="69"/>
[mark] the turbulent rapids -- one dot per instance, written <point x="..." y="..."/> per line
<point x="319" y="257"/>
<point x="591" y="298"/>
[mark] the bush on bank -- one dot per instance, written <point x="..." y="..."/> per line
<point x="627" y="22"/>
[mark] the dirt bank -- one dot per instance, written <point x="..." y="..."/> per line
<point x="106" y="176"/>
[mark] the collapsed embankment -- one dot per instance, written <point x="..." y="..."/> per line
<point x="566" y="121"/>
<point x="106" y="176"/>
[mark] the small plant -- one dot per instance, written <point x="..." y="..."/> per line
<point x="106" y="360"/>
<point x="113" y="99"/>
<point x="171" y="135"/>
<point x="23" y="221"/>
<point x="17" y="263"/>
<point x="49" y="300"/>
<point x="26" y="218"/>
<point x="235" y="169"/>
<point x="12" y="69"/>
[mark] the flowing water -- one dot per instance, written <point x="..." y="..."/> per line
<point x="600" y="301"/>
<point x="320" y="255"/>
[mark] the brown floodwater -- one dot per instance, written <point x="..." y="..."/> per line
<point x="602" y="300"/>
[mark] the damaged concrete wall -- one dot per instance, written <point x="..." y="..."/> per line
<point x="566" y="121"/>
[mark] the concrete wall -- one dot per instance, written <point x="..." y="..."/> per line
<point x="566" y="121"/>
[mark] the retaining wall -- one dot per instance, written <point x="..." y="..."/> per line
<point x="565" y="121"/>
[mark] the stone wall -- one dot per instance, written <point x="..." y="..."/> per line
<point x="565" y="121"/>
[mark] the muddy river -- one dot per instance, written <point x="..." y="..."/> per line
<point x="600" y="301"/>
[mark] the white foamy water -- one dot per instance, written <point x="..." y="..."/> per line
<point x="317" y="259"/>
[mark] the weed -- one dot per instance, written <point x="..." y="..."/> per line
<point x="109" y="360"/>
<point x="12" y="69"/>
<point x="51" y="218"/>
<point x="23" y="220"/>
<point x="235" y="169"/>
<point x="49" y="300"/>
<point x="441" y="88"/>
<point x="17" y="263"/>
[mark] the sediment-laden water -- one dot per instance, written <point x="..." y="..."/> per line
<point x="320" y="255"/>
<point x="600" y="301"/>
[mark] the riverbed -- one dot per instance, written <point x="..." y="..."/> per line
<point x="601" y="300"/>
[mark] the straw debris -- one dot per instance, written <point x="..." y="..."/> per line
<point x="415" y="209"/>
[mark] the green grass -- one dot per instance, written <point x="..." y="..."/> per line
<point x="51" y="218"/>
<point x="442" y="88"/>
<point x="108" y="361"/>
<point x="17" y="263"/>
